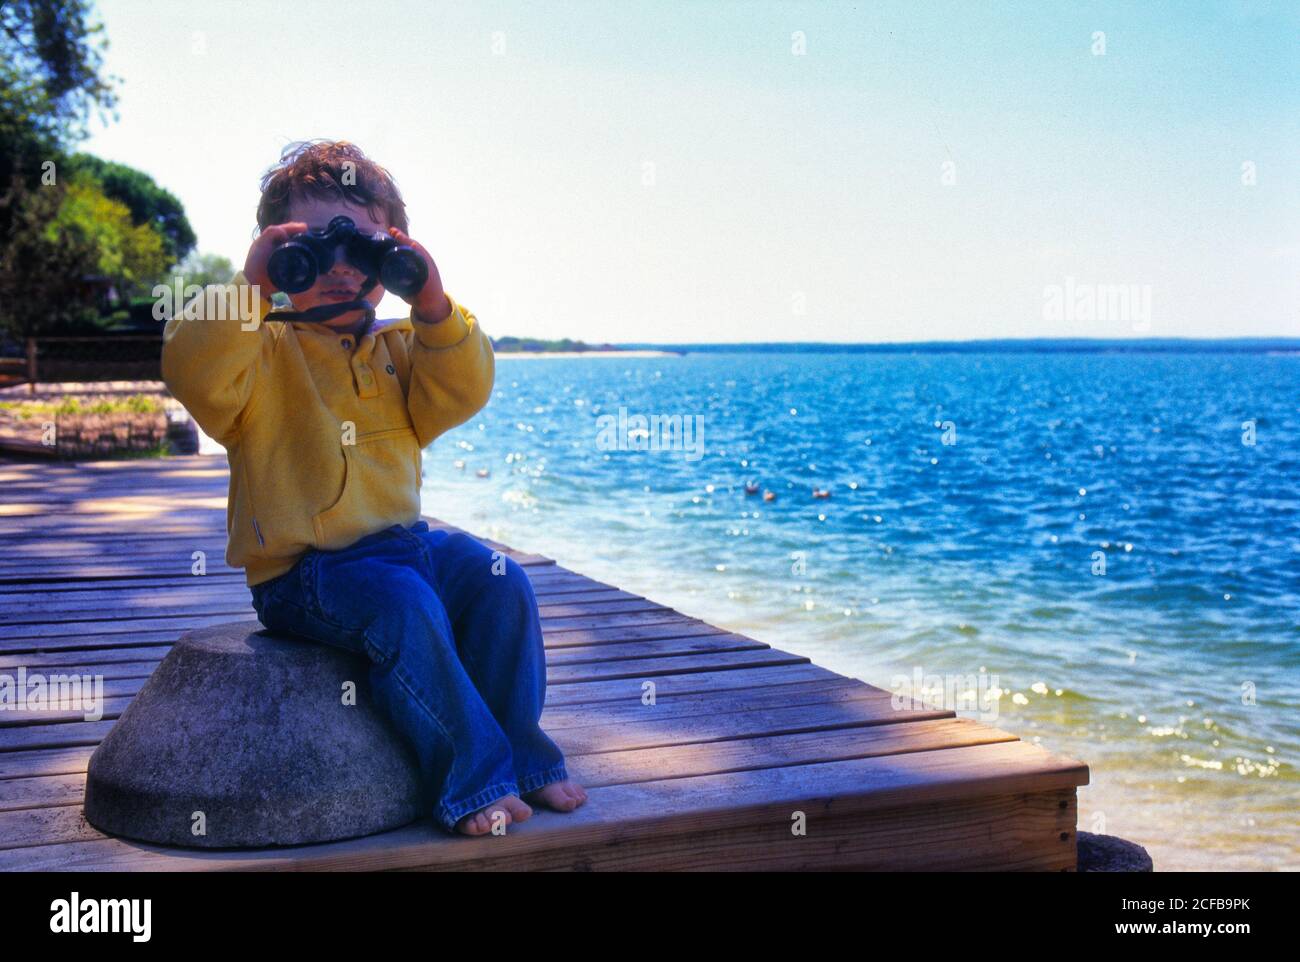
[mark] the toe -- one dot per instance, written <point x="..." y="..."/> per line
<point x="519" y="809"/>
<point x="575" y="793"/>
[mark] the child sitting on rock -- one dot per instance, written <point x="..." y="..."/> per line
<point x="323" y="423"/>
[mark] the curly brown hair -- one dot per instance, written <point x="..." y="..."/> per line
<point x="329" y="168"/>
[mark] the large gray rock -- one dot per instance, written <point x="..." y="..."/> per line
<point x="1108" y="853"/>
<point x="251" y="730"/>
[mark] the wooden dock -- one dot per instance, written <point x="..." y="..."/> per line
<point x="95" y="578"/>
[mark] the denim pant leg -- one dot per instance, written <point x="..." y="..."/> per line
<point x="374" y="599"/>
<point x="499" y="635"/>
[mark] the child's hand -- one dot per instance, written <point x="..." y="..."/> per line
<point x="260" y="253"/>
<point x="430" y="305"/>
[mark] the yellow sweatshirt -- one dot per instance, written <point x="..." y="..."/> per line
<point x="323" y="433"/>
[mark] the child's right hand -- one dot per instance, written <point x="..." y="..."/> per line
<point x="260" y="253"/>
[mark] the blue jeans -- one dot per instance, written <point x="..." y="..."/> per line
<point x="454" y="638"/>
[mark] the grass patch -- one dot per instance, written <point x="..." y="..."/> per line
<point x="135" y="404"/>
<point x="163" y="450"/>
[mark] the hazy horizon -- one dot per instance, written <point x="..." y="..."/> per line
<point x="1267" y="339"/>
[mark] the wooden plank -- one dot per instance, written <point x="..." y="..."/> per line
<point x="22" y="637"/>
<point x="22" y="564"/>
<point x="131" y="663"/>
<point x="682" y="759"/>
<point x="77" y="588"/>
<point x="760" y="710"/>
<point x="549" y="573"/>
<point x="45" y="761"/>
<point x="548" y="578"/>
<point x="826" y="689"/>
<point x="1012" y="833"/>
<point x="184" y="622"/>
<point x="653" y="730"/>
<point x="31" y="737"/>
<point x="111" y="695"/>
<point x="784" y="710"/>
<point x="18" y="761"/>
<point x="84" y="662"/>
<point x="549" y="594"/>
<point x="593" y="770"/>
<point x="587" y="695"/>
<point x="158" y="539"/>
<point x="187" y="604"/>
<point x="30" y="529"/>
<point x="91" y="641"/>
<point x="105" y="638"/>
<point x="114" y="694"/>
<point x="644" y="815"/>
<point x="21" y="574"/>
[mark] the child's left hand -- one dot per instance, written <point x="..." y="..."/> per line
<point x="431" y="304"/>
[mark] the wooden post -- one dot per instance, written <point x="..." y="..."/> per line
<point x="31" y="365"/>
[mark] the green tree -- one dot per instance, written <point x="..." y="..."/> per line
<point x="51" y="56"/>
<point x="68" y="243"/>
<point x="55" y="55"/>
<point x="70" y="226"/>
<point x="148" y="203"/>
<point x="131" y="256"/>
<point x="35" y="264"/>
<point x="205" y="269"/>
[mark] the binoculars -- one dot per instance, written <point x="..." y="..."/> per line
<point x="295" y="264"/>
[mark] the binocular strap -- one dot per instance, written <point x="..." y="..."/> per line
<point x="326" y="312"/>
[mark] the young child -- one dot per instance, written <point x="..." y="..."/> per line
<point x="323" y="424"/>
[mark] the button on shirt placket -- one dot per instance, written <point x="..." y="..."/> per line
<point x="365" y="377"/>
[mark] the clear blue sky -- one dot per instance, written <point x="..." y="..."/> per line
<point x="781" y="181"/>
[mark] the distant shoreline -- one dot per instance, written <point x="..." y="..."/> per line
<point x="1063" y="345"/>
<point x="542" y="354"/>
<point x="1278" y="346"/>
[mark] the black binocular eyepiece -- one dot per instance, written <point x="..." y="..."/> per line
<point x="295" y="265"/>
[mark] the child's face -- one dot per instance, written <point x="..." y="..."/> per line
<point x="343" y="282"/>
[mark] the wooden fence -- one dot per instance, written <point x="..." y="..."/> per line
<point x="126" y="357"/>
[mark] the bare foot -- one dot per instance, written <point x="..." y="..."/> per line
<point x="562" y="796"/>
<point x="504" y="811"/>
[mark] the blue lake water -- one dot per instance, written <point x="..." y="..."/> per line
<point x="975" y="502"/>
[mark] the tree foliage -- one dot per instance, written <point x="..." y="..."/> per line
<point x="131" y="256"/>
<point x="51" y="56"/>
<point x="205" y="269"/>
<point x="35" y="297"/>
<point x="68" y="245"/>
<point x="148" y="203"/>
<point x="72" y="226"/>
